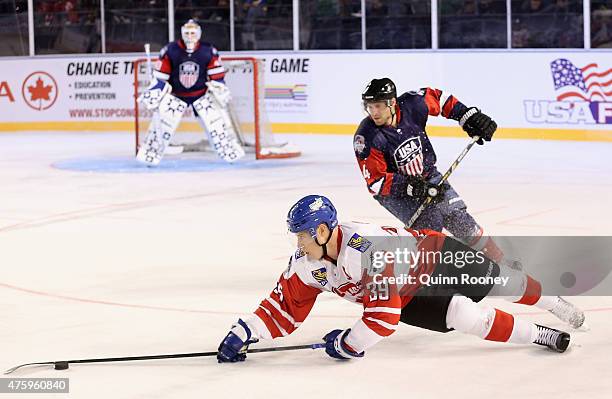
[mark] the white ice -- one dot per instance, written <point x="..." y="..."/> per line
<point x="100" y="264"/>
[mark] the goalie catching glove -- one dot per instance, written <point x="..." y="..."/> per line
<point x="475" y="123"/>
<point x="154" y="94"/>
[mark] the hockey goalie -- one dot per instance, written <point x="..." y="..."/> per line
<point x="189" y="73"/>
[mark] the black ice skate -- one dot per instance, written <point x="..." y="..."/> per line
<point x="553" y="339"/>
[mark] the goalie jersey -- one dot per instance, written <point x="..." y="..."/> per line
<point x="388" y="156"/>
<point x="188" y="73"/>
<point x="288" y="305"/>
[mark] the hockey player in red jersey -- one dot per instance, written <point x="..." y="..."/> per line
<point x="338" y="258"/>
<point x="189" y="73"/>
<point x="398" y="161"/>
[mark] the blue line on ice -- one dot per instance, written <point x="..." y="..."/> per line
<point x="130" y="165"/>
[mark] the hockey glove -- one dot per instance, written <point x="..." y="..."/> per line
<point x="475" y="123"/>
<point x="419" y="188"/>
<point x="154" y="94"/>
<point x="337" y="348"/>
<point x="234" y="346"/>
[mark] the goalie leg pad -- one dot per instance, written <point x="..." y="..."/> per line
<point x="162" y="127"/>
<point x="219" y="127"/>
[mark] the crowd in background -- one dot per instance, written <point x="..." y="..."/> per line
<point x="75" y="26"/>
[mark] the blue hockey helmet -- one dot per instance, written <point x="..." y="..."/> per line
<point x="311" y="211"/>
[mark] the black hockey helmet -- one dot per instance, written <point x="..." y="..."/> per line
<point x="379" y="90"/>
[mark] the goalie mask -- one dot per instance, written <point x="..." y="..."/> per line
<point x="191" y="33"/>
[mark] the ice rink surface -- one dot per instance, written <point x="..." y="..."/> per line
<point x="102" y="258"/>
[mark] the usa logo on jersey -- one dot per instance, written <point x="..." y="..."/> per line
<point x="408" y="157"/>
<point x="188" y="73"/>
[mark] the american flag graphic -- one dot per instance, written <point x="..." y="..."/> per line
<point x="189" y="72"/>
<point x="414" y="167"/>
<point x="409" y="157"/>
<point x="589" y="83"/>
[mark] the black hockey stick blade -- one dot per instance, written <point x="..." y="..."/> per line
<point x="62" y="364"/>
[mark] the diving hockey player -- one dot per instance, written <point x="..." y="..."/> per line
<point x="337" y="258"/>
<point x="398" y="162"/>
<point x="189" y="73"/>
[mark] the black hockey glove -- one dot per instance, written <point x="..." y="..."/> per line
<point x="419" y="188"/>
<point x="475" y="123"/>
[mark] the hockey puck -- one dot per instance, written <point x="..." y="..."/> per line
<point x="61" y="365"/>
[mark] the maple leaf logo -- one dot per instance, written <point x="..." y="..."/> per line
<point x="39" y="91"/>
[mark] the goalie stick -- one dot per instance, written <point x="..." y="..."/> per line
<point x="63" y="364"/>
<point x="445" y="177"/>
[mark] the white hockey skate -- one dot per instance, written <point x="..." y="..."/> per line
<point x="569" y="313"/>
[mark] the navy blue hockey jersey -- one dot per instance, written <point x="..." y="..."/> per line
<point x="186" y="72"/>
<point x="388" y="156"/>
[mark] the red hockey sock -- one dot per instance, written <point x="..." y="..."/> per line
<point x="501" y="328"/>
<point x="533" y="292"/>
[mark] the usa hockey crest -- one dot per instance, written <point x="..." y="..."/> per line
<point x="409" y="157"/>
<point x="359" y="243"/>
<point x="359" y="143"/>
<point x="188" y="73"/>
<point x="320" y="275"/>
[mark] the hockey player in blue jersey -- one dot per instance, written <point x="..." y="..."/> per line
<point x="398" y="162"/>
<point x="189" y="73"/>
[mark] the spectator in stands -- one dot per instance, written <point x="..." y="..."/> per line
<point x="72" y="16"/>
<point x="601" y="25"/>
<point x="520" y="34"/>
<point x="468" y="8"/>
<point x="377" y="8"/>
<point x="253" y="10"/>
<point x="567" y="24"/>
<point x="491" y="7"/>
<point x="533" y="6"/>
<point x="221" y="12"/>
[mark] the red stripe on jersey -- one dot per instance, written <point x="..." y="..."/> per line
<point x="214" y="62"/>
<point x="432" y="99"/>
<point x="196" y="93"/>
<point x="379" y="297"/>
<point x="294" y="297"/>
<point x="390" y="318"/>
<point x="166" y="66"/>
<point x="217" y="76"/>
<point x="447" y="107"/>
<point x="532" y="294"/>
<point x="502" y="327"/>
<point x="274" y="331"/>
<point x="377" y="328"/>
<point x="282" y="321"/>
<point x="374" y="168"/>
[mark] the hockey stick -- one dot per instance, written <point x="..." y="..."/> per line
<point x="63" y="364"/>
<point x="445" y="177"/>
<point x="147" y="48"/>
